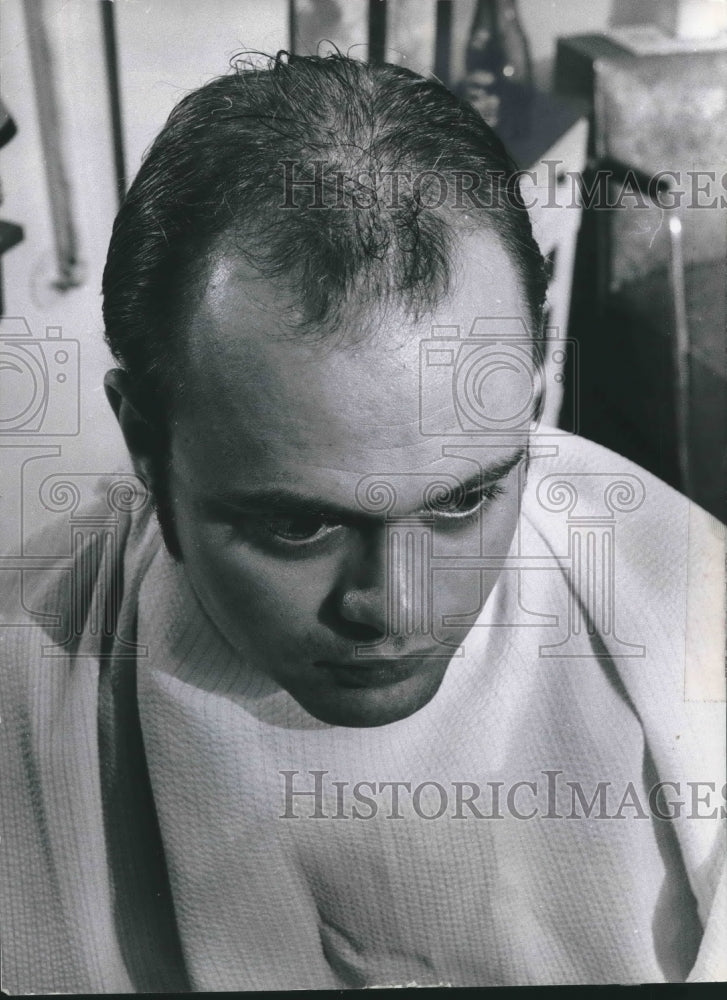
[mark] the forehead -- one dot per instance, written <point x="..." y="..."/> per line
<point x="269" y="406"/>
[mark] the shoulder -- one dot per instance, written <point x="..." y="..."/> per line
<point x="657" y="558"/>
<point x="60" y="591"/>
<point x="647" y="566"/>
<point x="88" y="521"/>
<point x="574" y="481"/>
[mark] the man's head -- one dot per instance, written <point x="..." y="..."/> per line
<point x="270" y="333"/>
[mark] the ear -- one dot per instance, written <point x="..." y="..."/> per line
<point x="141" y="436"/>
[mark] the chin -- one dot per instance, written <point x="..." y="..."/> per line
<point x="370" y="707"/>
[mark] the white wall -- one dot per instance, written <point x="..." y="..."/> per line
<point x="167" y="49"/>
<point x="545" y="20"/>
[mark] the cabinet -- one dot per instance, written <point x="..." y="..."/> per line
<point x="651" y="269"/>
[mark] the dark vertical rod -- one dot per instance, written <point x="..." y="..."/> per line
<point x="108" y="27"/>
<point x="377" y="31"/>
<point x="292" y="26"/>
<point x="443" y="41"/>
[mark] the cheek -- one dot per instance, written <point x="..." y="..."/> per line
<point x="494" y="532"/>
<point x="241" y="589"/>
<point x="499" y="528"/>
<point x="459" y="588"/>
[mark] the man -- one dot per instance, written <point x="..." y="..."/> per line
<point x="398" y="686"/>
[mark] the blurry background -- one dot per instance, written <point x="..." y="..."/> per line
<point x="632" y="87"/>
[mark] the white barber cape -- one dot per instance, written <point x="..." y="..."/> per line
<point x="171" y="820"/>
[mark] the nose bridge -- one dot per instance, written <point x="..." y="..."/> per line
<point x="408" y="569"/>
<point x="388" y="581"/>
<point x="363" y="582"/>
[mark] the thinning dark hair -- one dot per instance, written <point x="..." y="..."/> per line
<point x="224" y="175"/>
<point x="226" y="168"/>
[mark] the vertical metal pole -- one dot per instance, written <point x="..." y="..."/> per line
<point x="377" y="31"/>
<point x="681" y="349"/>
<point x="292" y="26"/>
<point x="108" y="28"/>
<point x="443" y="42"/>
<point x="49" y="120"/>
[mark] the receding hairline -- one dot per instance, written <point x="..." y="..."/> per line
<point x="365" y="319"/>
<point x="141" y="329"/>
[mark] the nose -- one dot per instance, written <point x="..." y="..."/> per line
<point x="361" y="592"/>
<point x="383" y="584"/>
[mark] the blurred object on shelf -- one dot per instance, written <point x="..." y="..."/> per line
<point x="662" y="26"/>
<point x="667" y="113"/>
<point x="692" y="19"/>
<point x="10" y="233"/>
<point x="648" y="39"/>
<point x="8" y="128"/>
<point x="498" y="77"/>
<point x="485" y="64"/>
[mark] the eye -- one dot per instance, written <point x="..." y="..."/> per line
<point x="467" y="506"/>
<point x="295" y="529"/>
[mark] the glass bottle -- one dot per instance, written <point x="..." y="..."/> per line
<point x="498" y="70"/>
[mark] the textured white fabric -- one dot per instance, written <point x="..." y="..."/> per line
<point x="269" y="902"/>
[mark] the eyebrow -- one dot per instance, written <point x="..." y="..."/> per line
<point x="278" y="500"/>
